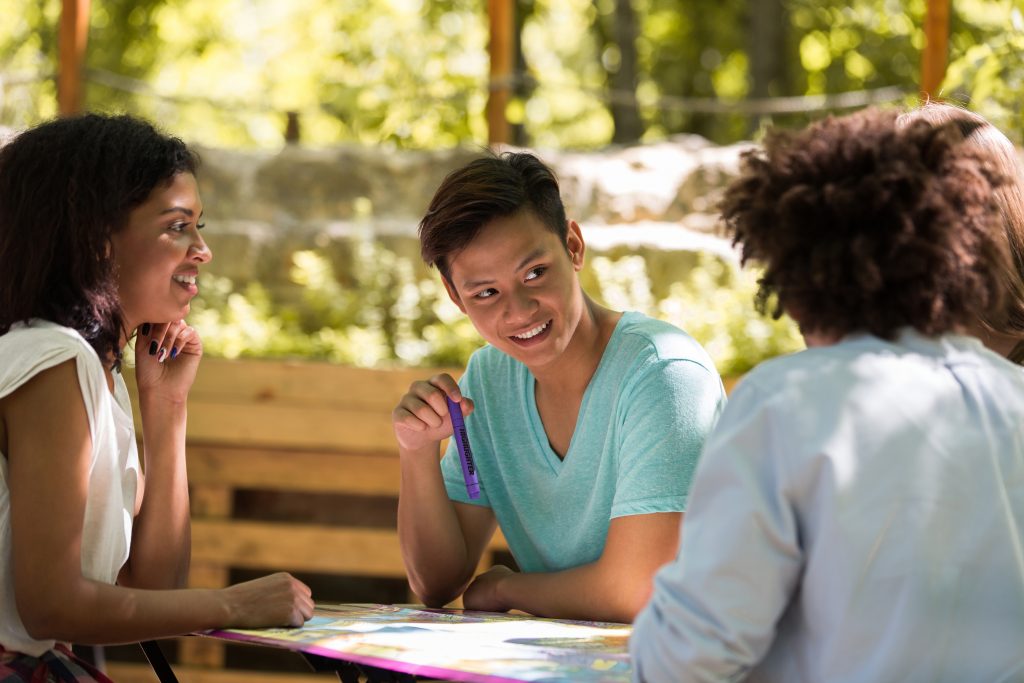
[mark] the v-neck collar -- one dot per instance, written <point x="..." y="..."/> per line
<point x="540" y="436"/>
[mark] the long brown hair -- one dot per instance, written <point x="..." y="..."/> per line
<point x="65" y="187"/>
<point x="985" y="137"/>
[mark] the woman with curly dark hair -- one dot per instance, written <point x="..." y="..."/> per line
<point x="99" y="239"/>
<point x="857" y="514"/>
<point x="1005" y="337"/>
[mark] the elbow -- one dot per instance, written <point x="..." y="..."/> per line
<point x="432" y="596"/>
<point x="629" y="601"/>
<point x="42" y="616"/>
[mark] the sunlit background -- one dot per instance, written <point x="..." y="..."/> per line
<point x="414" y="73"/>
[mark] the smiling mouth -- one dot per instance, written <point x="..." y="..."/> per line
<point x="530" y="334"/>
<point x="185" y="279"/>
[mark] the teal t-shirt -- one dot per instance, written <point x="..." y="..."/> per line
<point x="645" y="414"/>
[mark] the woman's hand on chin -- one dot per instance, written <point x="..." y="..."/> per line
<point x="166" y="359"/>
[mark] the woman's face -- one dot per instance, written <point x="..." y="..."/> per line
<point x="159" y="252"/>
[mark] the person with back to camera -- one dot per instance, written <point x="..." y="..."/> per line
<point x="858" y="512"/>
<point x="1006" y="336"/>
<point x="585" y="423"/>
<point x="99" y="238"/>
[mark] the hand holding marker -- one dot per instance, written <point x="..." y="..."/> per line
<point x="465" y="454"/>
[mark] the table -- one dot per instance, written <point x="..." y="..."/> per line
<point x="400" y="643"/>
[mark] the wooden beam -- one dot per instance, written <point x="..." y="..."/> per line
<point x="502" y="26"/>
<point x="73" y="35"/>
<point x="936" y="48"/>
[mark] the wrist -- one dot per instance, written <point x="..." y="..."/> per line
<point x="224" y="612"/>
<point x="500" y="590"/>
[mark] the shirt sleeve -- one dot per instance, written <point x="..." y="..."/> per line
<point x="669" y="412"/>
<point x="451" y="466"/>
<point x="713" y="612"/>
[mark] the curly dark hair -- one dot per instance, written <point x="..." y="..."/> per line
<point x="485" y="189"/>
<point x="866" y="225"/>
<point x="66" y="186"/>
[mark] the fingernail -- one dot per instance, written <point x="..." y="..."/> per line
<point x="174" y="352"/>
<point x="146" y="327"/>
<point x="152" y="347"/>
<point x="161" y="356"/>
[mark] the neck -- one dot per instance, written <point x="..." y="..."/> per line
<point x="999" y="342"/>
<point x="572" y="372"/>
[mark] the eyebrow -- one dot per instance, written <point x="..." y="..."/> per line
<point x="536" y="253"/>
<point x="180" y="209"/>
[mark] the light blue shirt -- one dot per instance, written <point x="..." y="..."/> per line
<point x="857" y="516"/>
<point x="654" y="397"/>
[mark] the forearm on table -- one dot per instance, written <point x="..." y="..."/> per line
<point x="614" y="587"/>
<point x="89" y="613"/>
<point x="592" y="591"/>
<point x="434" y="548"/>
<point x="161" y="537"/>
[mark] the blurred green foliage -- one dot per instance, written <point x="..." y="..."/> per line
<point x="392" y="315"/>
<point x="413" y="73"/>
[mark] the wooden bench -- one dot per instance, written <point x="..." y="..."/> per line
<point x="293" y="428"/>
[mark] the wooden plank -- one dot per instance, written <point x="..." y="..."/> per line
<point x="200" y="652"/>
<point x="205" y="575"/>
<point x="210" y="501"/>
<point x="273" y="546"/>
<point x="298" y="427"/>
<point x="302" y="383"/>
<point x="123" y="672"/>
<point x="300" y="547"/>
<point x="279" y="470"/>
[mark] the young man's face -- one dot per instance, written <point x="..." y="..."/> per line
<point x="517" y="283"/>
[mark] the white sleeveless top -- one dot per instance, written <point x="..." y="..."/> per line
<point x="25" y="351"/>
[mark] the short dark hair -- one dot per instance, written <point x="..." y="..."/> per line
<point x="864" y="224"/>
<point x="66" y="186"/>
<point x="494" y="186"/>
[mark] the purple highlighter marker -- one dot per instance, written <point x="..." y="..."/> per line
<point x="465" y="454"/>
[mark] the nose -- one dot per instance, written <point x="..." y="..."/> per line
<point x="198" y="251"/>
<point x="520" y="306"/>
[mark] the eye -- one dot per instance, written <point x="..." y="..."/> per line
<point x="200" y="226"/>
<point x="535" y="273"/>
<point x="178" y="226"/>
<point x="485" y="293"/>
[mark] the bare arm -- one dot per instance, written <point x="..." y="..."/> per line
<point x="161" y="535"/>
<point x="49" y="476"/>
<point x="442" y="541"/>
<point x="614" y="588"/>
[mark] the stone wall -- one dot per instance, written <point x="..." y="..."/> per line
<point x="261" y="207"/>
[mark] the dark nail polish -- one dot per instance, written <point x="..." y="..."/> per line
<point x="152" y="348"/>
<point x="146" y="327"/>
<point x="174" y="352"/>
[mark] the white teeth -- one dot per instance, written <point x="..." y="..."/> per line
<point x="184" y="279"/>
<point x="532" y="333"/>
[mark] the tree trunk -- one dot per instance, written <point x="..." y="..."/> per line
<point x="623" y="105"/>
<point x="766" y="34"/>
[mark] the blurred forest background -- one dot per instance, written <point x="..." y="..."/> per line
<point x="414" y="75"/>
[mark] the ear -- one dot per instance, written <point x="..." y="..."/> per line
<point x="574" y="245"/>
<point x="452" y="294"/>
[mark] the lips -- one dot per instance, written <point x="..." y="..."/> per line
<point x="185" y="279"/>
<point x="532" y="335"/>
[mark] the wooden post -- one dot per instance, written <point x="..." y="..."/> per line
<point x="73" y="34"/>
<point x="502" y="26"/>
<point x="936" y="47"/>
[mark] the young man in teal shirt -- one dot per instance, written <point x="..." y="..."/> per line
<point x="585" y="423"/>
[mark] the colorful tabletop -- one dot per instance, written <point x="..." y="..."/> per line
<point x="481" y="647"/>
